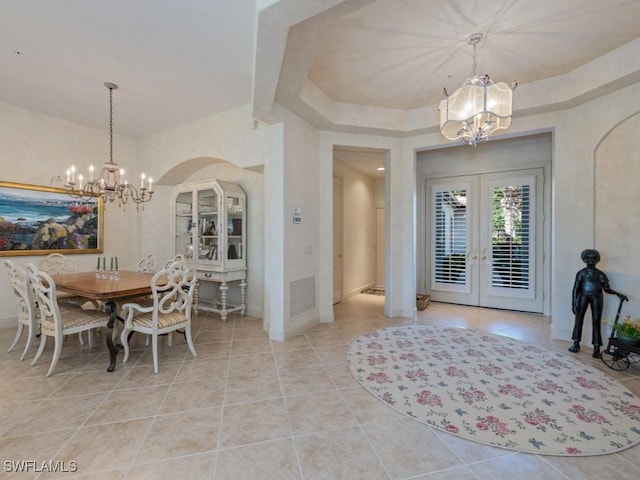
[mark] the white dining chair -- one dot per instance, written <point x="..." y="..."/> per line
<point x="172" y="293"/>
<point x="59" y="319"/>
<point x="147" y="264"/>
<point x="172" y="260"/>
<point x="55" y="264"/>
<point x="28" y="314"/>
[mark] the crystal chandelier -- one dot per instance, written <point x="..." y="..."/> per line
<point x="110" y="182"/>
<point x="478" y="108"/>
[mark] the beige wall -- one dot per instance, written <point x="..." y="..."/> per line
<point x="296" y="161"/>
<point x="35" y="148"/>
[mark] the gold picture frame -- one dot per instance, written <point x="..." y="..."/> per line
<point x="37" y="220"/>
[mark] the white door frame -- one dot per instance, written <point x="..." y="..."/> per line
<point x="471" y="290"/>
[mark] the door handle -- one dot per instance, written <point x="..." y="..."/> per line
<point x="484" y="254"/>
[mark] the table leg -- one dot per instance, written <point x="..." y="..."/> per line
<point x="112" y="308"/>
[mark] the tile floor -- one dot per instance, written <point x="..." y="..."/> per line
<point x="248" y="408"/>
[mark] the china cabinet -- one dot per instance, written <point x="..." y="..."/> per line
<point x="209" y="229"/>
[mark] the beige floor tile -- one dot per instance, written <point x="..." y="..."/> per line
<point x="367" y="408"/>
<point x="611" y="467"/>
<point x="300" y="381"/>
<point x="94" y="381"/>
<point x="259" y="461"/>
<point x="120" y="405"/>
<point x="193" y="395"/>
<point x="296" y="358"/>
<point x="180" y="434"/>
<point x="28" y="389"/>
<point x="247" y="423"/>
<point x="332" y="354"/>
<point x="193" y="371"/>
<point x="519" y="465"/>
<point x="192" y="467"/>
<point x="207" y="351"/>
<point x="31" y="448"/>
<point x="409" y="448"/>
<point x="239" y="409"/>
<point x="57" y="413"/>
<point x="318" y="412"/>
<point x="251" y="363"/>
<point x="139" y="376"/>
<point x="13" y="411"/>
<point x="106" y="446"/>
<point x="252" y="388"/>
<point x="251" y="345"/>
<point x="338" y="454"/>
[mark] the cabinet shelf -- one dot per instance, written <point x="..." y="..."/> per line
<point x="209" y="225"/>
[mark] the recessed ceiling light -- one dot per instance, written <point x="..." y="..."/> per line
<point x="380" y="169"/>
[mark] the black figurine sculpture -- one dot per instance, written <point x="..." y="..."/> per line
<point x="587" y="291"/>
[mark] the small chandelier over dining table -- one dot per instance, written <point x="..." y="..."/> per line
<point x="478" y="108"/>
<point x="109" y="182"/>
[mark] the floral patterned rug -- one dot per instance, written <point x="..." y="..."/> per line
<point x="496" y="390"/>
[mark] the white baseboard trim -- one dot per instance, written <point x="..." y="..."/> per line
<point x="8" y="322"/>
<point x="301" y="324"/>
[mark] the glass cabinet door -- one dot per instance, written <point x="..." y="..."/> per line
<point x="184" y="225"/>
<point x="235" y="227"/>
<point x="208" y="224"/>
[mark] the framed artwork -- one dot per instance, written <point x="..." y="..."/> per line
<point x="36" y="220"/>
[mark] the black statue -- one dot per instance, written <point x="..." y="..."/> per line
<point x="587" y="291"/>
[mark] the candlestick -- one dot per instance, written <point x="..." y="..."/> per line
<point x="111" y="263"/>
<point x="116" y="263"/>
<point x="98" y="267"/>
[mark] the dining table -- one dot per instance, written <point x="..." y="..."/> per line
<point x="108" y="288"/>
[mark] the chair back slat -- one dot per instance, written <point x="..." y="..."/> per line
<point x="57" y="263"/>
<point x="172" y="260"/>
<point x="172" y="289"/>
<point x="45" y="294"/>
<point x="147" y="264"/>
<point x="22" y="290"/>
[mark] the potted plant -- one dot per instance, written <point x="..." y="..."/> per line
<point x="627" y="330"/>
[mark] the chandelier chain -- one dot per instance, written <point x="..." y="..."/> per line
<point x="111" y="124"/>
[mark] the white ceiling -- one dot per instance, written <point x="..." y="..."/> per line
<point x="174" y="61"/>
<point x="179" y="61"/>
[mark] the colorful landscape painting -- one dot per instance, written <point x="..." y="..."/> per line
<point x="37" y="220"/>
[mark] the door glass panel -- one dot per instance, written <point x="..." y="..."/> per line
<point x="510" y="237"/>
<point x="450" y="236"/>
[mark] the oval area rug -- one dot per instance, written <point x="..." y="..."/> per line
<point x="497" y="390"/>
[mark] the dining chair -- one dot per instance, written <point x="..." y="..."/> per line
<point x="172" y="293"/>
<point x="55" y="264"/>
<point x="59" y="319"/>
<point x="28" y="315"/>
<point x="175" y="258"/>
<point x="147" y="264"/>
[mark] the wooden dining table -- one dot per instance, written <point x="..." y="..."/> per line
<point x="109" y="290"/>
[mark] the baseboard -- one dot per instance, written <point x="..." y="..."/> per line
<point x="302" y="323"/>
<point x="8" y="322"/>
<point x="356" y="291"/>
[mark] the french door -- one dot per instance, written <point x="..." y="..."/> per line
<point x="484" y="240"/>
